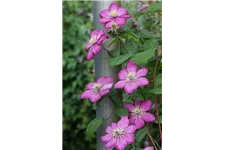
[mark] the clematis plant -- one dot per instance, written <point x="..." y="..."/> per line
<point x="94" y="44"/>
<point x="138" y="114"/>
<point x="131" y="78"/>
<point x="135" y="46"/>
<point x="115" y="16"/>
<point x="119" y="135"/>
<point x="95" y="90"/>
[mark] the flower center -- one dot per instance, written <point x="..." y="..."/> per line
<point x="117" y="133"/>
<point x="92" y="40"/>
<point x="113" y="25"/>
<point x="113" y="13"/>
<point x="96" y="88"/>
<point x="131" y="77"/>
<point x="137" y="112"/>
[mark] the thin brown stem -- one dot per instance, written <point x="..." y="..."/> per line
<point x="155" y="97"/>
<point x="152" y="140"/>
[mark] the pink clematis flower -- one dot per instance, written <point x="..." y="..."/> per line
<point x="94" y="44"/>
<point x="95" y="90"/>
<point x="130" y="78"/>
<point x="138" y="113"/>
<point x="119" y="135"/>
<point x="149" y="148"/>
<point x="112" y="25"/>
<point x="115" y="13"/>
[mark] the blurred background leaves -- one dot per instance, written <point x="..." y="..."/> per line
<point x="77" y="72"/>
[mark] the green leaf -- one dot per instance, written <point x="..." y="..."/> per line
<point x="138" y="96"/>
<point x="156" y="90"/>
<point x="156" y="121"/>
<point x="151" y="44"/>
<point x="119" y="60"/>
<point x="93" y="126"/>
<point x="138" y="148"/>
<point x="133" y="36"/>
<point x="121" y="112"/>
<point x="128" y="147"/>
<point x="127" y="99"/>
<point x="149" y="35"/>
<point x="143" y="57"/>
<point x="127" y="25"/>
<point x="117" y="102"/>
<point x="115" y="39"/>
<point x="157" y="7"/>
<point x="158" y="80"/>
<point x="131" y="46"/>
<point x="139" y="135"/>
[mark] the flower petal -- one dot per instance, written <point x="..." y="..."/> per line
<point x="104" y="80"/>
<point x="94" y="97"/>
<point x="146" y="105"/>
<point x="142" y="72"/>
<point x="90" y="85"/>
<point x="94" y="33"/>
<point x="149" y="148"/>
<point x="139" y="123"/>
<point x="109" y="129"/>
<point x="114" y="125"/>
<point x="106" y="138"/>
<point x="123" y="123"/>
<point x="86" y="94"/>
<point x="130" y="87"/>
<point x="120" y="144"/>
<point x="148" y="117"/>
<point x="137" y="103"/>
<point x="95" y="49"/>
<point x="102" y="39"/>
<point x="120" y="21"/>
<point x="108" y="25"/>
<point x="129" y="107"/>
<point x="129" y="138"/>
<point x="89" y="56"/>
<point x="104" y="92"/>
<point x="130" y="129"/>
<point x="110" y="144"/>
<point x="100" y="33"/>
<point x="104" y="20"/>
<point x="122" y="11"/>
<point x="113" y="6"/>
<point x="107" y="86"/>
<point x="122" y="74"/>
<point x="120" y="84"/>
<point x="141" y="81"/>
<point x="131" y="66"/>
<point x="104" y="13"/>
<point x="132" y="120"/>
<point x="88" y="45"/>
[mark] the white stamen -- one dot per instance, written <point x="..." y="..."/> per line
<point x="131" y="76"/>
<point x="96" y="88"/>
<point x="137" y="112"/>
<point x="117" y="133"/>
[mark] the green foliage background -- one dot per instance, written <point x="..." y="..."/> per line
<point x="77" y="72"/>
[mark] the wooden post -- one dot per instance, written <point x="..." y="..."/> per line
<point x="106" y="109"/>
